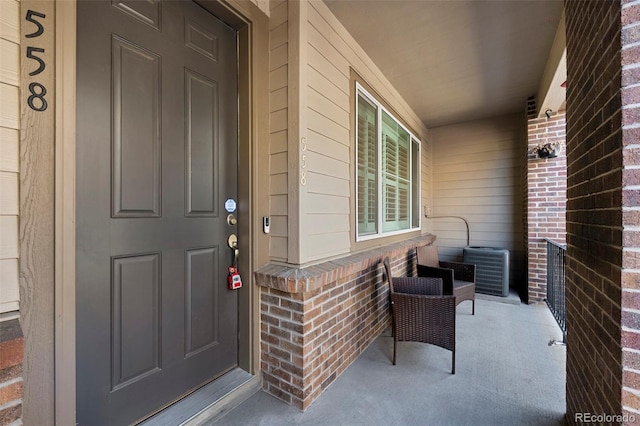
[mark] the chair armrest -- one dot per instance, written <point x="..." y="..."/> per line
<point x="418" y="285"/>
<point x="443" y="273"/>
<point x="461" y="271"/>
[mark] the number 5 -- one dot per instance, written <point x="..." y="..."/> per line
<point x="41" y="63"/>
<point x="30" y="18"/>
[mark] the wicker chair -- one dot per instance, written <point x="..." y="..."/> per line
<point x="421" y="313"/>
<point x="458" y="278"/>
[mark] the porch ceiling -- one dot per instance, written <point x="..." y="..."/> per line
<point x="455" y="61"/>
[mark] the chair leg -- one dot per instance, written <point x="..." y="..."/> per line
<point x="395" y="342"/>
<point x="473" y="306"/>
<point x="453" y="362"/>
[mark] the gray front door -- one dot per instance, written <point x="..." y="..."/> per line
<point x="156" y="162"/>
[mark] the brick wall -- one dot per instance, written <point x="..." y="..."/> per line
<point x="11" y="384"/>
<point x="630" y="97"/>
<point x="546" y="198"/>
<point x="594" y="213"/>
<point x="317" y="320"/>
<point x="530" y="113"/>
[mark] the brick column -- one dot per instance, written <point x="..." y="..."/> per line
<point x="630" y="96"/>
<point x="546" y="199"/>
<point x="596" y="201"/>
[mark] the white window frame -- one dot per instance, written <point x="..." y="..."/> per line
<point x="361" y="91"/>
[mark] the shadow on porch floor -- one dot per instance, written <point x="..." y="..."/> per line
<point x="506" y="374"/>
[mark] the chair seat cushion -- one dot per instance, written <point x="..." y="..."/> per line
<point x="458" y="285"/>
<point x="464" y="290"/>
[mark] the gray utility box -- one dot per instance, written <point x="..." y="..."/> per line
<point x="492" y="269"/>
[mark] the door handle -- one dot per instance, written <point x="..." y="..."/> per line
<point x="232" y="241"/>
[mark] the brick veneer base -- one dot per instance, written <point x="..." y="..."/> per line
<point x="11" y="384"/>
<point x="315" y="321"/>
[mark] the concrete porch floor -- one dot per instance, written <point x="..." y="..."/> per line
<point x="506" y="374"/>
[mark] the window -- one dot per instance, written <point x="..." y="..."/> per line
<point x="388" y="173"/>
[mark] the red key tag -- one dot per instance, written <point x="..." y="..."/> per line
<point x="234" y="280"/>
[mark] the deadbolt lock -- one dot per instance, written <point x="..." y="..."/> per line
<point x="231" y="220"/>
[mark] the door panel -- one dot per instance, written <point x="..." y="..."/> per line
<point x="201" y="40"/>
<point x="201" y="320"/>
<point x="156" y="160"/>
<point x="136" y="130"/>
<point x="202" y="141"/>
<point x="136" y="350"/>
<point x="147" y="12"/>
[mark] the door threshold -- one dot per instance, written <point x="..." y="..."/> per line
<point x="219" y="396"/>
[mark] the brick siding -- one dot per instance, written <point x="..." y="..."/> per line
<point x="315" y="321"/>
<point x="530" y="114"/>
<point x="11" y="384"/>
<point x="546" y="198"/>
<point x="594" y="214"/>
<point x="630" y="97"/>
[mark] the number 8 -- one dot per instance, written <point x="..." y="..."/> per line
<point x="34" y="95"/>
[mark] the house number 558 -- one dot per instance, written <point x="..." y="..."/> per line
<point x="37" y="91"/>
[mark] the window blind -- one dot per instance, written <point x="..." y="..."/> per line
<point x="388" y="171"/>
<point x="367" y="167"/>
<point x="395" y="175"/>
